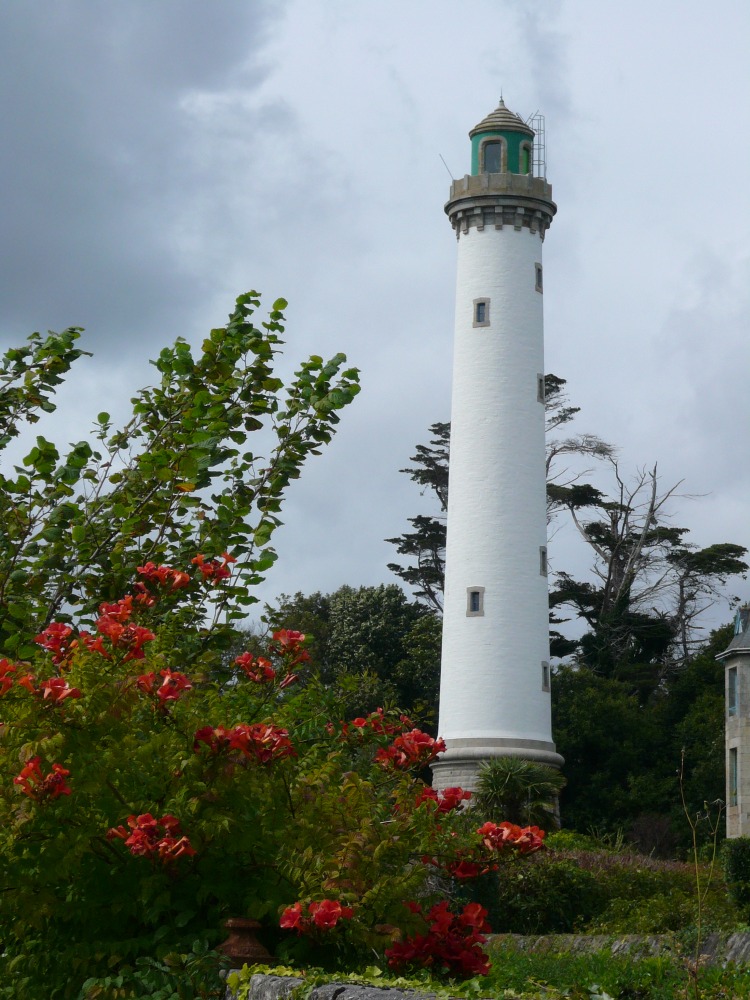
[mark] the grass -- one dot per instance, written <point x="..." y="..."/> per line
<point x="553" y="976"/>
<point x="519" y="975"/>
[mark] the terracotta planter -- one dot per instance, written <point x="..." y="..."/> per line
<point x="242" y="946"/>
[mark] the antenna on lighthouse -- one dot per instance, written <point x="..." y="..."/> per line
<point x="447" y="167"/>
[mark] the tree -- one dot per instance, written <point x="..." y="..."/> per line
<point x="180" y="478"/>
<point x="371" y="644"/>
<point x="425" y="545"/>
<point x="608" y="741"/>
<point x="622" y="753"/>
<point x="564" y="482"/>
<point x="521" y="791"/>
<point x="650" y="585"/>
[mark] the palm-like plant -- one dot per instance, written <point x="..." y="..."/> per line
<point x="520" y="791"/>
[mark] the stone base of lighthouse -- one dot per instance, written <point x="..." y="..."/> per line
<point x="462" y="761"/>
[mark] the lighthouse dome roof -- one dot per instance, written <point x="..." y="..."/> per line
<point x="501" y="120"/>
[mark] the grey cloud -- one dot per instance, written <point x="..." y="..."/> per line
<point x="99" y="160"/>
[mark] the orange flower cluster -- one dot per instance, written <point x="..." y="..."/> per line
<point x="57" y="690"/>
<point x="494" y="838"/>
<point x="7" y="669"/>
<point x="414" y="749"/>
<point x="115" y="625"/>
<point x="257" y="669"/>
<point x="453" y="941"/>
<point x="288" y="644"/>
<point x="153" y="838"/>
<point x="53" y="691"/>
<point x="171" y="688"/>
<point x="212" y="569"/>
<point x="163" y="576"/>
<point x="323" y="915"/>
<point x="58" y="639"/>
<point x="261" y="742"/>
<point x="498" y="836"/>
<point x="33" y="783"/>
<point x="445" y="801"/>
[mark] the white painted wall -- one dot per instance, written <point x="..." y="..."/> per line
<point x="491" y="674"/>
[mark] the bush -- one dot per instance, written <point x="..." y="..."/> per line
<point x="152" y="783"/>
<point x="736" y="866"/>
<point x="658" y="914"/>
<point x="544" y="896"/>
<point x="633" y="893"/>
<point x="141" y="805"/>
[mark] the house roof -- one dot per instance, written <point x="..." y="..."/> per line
<point x="741" y="640"/>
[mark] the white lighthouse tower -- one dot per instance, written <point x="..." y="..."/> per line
<point x="495" y="679"/>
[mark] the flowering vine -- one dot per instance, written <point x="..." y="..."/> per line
<point x="452" y="941"/>
<point x="321" y="915"/>
<point x="331" y="827"/>
<point x="411" y="750"/>
<point x="148" y="837"/>
<point x="212" y="569"/>
<point x="172" y="687"/>
<point x="37" y="786"/>
<point x="261" y="742"/>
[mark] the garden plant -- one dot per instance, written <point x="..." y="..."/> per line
<point x="153" y="784"/>
<point x="142" y="802"/>
<point x="156" y="778"/>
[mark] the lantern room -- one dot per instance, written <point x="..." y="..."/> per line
<point x="502" y="143"/>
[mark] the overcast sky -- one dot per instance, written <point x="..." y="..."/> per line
<point x="161" y="156"/>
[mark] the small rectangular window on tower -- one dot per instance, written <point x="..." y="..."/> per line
<point x="474" y="602"/>
<point x="543" y="560"/>
<point x="545" y="676"/>
<point x="732" y="691"/>
<point x="481" y="312"/>
<point x="733" y="776"/>
<point x="541" y="394"/>
<point x="538" y="278"/>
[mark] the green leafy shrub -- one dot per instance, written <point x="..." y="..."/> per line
<point x="544" y="896"/>
<point x="151" y="783"/>
<point x="190" y="976"/>
<point x="202" y="465"/>
<point x="736" y="867"/>
<point x="580" y="884"/>
<point x="657" y="914"/>
<point x="141" y="804"/>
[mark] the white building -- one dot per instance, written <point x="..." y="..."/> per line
<point x="495" y="675"/>
<point x="736" y="659"/>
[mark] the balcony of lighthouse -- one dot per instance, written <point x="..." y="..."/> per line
<point x="496" y="200"/>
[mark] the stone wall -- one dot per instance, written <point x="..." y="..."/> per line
<point x="718" y="949"/>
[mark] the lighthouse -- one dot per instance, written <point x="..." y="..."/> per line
<point x="495" y="674"/>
